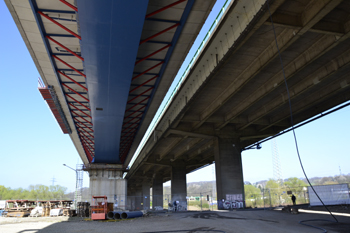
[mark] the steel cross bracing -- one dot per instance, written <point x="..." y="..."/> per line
<point x="59" y="30"/>
<point x="149" y="68"/>
<point x="64" y="51"/>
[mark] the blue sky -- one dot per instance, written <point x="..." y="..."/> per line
<point x="33" y="147"/>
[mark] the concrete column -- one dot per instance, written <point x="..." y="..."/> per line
<point x="157" y="193"/>
<point x="146" y="186"/>
<point x="229" y="173"/>
<point x="106" y="180"/>
<point x="138" y="198"/>
<point x="179" y="185"/>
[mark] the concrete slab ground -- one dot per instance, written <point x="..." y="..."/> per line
<point x="209" y="221"/>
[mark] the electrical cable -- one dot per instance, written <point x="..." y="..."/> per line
<point x="294" y="135"/>
<point x="194" y="230"/>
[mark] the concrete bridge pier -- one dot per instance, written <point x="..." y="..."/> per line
<point x="157" y="192"/>
<point x="179" y="185"/>
<point x="229" y="173"/>
<point x="146" y="186"/>
<point x="106" y="180"/>
<point x="138" y="198"/>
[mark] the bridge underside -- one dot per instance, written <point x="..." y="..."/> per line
<point x="107" y="66"/>
<point x="241" y="95"/>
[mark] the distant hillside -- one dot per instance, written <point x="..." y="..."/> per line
<point x="206" y="187"/>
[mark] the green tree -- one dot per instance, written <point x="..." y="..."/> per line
<point x="274" y="191"/>
<point x="253" y="197"/>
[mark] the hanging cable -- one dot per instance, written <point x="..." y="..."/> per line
<point x="291" y="119"/>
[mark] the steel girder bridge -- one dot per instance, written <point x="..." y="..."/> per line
<point x="106" y="66"/>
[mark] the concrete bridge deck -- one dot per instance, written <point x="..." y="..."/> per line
<point x="235" y="95"/>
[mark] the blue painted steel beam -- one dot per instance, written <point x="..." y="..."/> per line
<point x="111" y="32"/>
<point x="163" y="20"/>
<point x="63" y="54"/>
<point x="73" y="93"/>
<point x="136" y="85"/>
<point x="146" y="73"/>
<point x="83" y="109"/>
<point x="54" y="11"/>
<point x="60" y="35"/>
<point x="70" y="20"/>
<point x="158" y="42"/>
<point x="72" y="82"/>
<point x="64" y="70"/>
<point x="151" y="59"/>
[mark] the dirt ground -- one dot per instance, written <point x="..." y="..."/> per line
<point x="192" y="221"/>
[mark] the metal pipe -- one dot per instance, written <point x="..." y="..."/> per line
<point x="77" y="101"/>
<point x="70" y="5"/>
<point x="72" y="79"/>
<point x="159" y="33"/>
<point x="162" y="9"/>
<point x="75" y="92"/>
<point x="79" y="110"/>
<point x="144" y="72"/>
<point x="133" y="214"/>
<point x="69" y="66"/>
<point x="60" y="25"/>
<point x="58" y="43"/>
<point x="75" y="118"/>
<point x="132" y="118"/>
<point x="142" y="84"/>
<point x="140" y="95"/>
<point x="118" y="215"/>
<point x="137" y="104"/>
<point x="150" y="55"/>
<point x="87" y="152"/>
<point x="110" y="215"/>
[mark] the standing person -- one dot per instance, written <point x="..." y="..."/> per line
<point x="175" y="205"/>
<point x="293" y="199"/>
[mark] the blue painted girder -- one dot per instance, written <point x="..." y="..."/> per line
<point x="111" y="32"/>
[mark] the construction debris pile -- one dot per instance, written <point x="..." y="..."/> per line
<point x="83" y="209"/>
<point x="25" y="208"/>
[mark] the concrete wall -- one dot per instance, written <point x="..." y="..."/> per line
<point x="108" y="183"/>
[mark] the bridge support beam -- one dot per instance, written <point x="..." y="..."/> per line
<point x="157" y="193"/>
<point x="106" y="180"/>
<point x="229" y="173"/>
<point x="179" y="185"/>
<point x="146" y="186"/>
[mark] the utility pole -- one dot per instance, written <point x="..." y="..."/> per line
<point x="53" y="181"/>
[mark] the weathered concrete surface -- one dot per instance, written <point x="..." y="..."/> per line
<point x="179" y="185"/>
<point x="146" y="186"/>
<point x="106" y="180"/>
<point x="236" y="85"/>
<point x="228" y="164"/>
<point x="157" y="192"/>
<point x="268" y="221"/>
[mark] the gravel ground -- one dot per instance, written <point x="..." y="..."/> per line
<point x="210" y="221"/>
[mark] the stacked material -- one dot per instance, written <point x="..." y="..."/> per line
<point x="83" y="209"/>
<point x="36" y="212"/>
<point x="56" y="212"/>
<point x="69" y="212"/>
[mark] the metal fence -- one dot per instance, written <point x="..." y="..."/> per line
<point x="194" y="202"/>
<point x="275" y="197"/>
